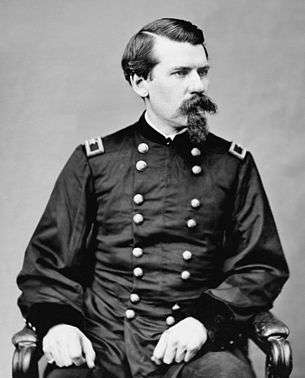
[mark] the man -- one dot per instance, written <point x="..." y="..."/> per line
<point x="158" y="243"/>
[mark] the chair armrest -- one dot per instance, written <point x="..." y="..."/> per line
<point x="266" y="324"/>
<point x="26" y="355"/>
<point x="269" y="334"/>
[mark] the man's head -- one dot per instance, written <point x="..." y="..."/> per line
<point x="166" y="63"/>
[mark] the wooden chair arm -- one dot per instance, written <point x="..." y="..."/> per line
<point x="269" y="334"/>
<point x="26" y="355"/>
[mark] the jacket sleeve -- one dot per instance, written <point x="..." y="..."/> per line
<point x="254" y="269"/>
<point x="56" y="259"/>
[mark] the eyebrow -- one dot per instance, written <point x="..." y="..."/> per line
<point x="176" y="68"/>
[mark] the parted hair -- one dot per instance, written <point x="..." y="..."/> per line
<point x="138" y="57"/>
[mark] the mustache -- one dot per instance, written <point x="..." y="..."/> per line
<point x="198" y="103"/>
<point x="195" y="109"/>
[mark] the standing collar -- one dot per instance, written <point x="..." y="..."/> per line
<point x="181" y="141"/>
<point x="170" y="136"/>
<point x="156" y="136"/>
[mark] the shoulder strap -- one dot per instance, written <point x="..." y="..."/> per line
<point x="237" y="150"/>
<point x="94" y="146"/>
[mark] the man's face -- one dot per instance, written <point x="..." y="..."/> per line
<point x="180" y="74"/>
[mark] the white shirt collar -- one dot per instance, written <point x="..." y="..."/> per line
<point x="171" y="136"/>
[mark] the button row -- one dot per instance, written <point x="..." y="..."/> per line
<point x="135" y="298"/>
<point x="141" y="165"/>
<point x="138" y="199"/>
<point x="138" y="252"/>
<point x="138" y="272"/>
<point x="143" y="149"/>
<point x="138" y="219"/>
<point x="130" y="314"/>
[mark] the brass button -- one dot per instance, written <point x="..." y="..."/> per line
<point x="137" y="252"/>
<point x="191" y="223"/>
<point x="130" y="314"/>
<point x="185" y="275"/>
<point x="138" y="218"/>
<point x="176" y="307"/>
<point x="195" y="151"/>
<point x="134" y="298"/>
<point x="170" y="320"/>
<point x="196" y="169"/>
<point x="143" y="148"/>
<point x="141" y="165"/>
<point x="187" y="255"/>
<point x="138" y="199"/>
<point x="195" y="203"/>
<point x="138" y="272"/>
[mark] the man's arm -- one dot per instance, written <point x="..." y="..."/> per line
<point x="254" y="269"/>
<point x="254" y="272"/>
<point x="54" y="263"/>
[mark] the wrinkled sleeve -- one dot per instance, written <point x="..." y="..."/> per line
<point x="254" y="269"/>
<point x="56" y="260"/>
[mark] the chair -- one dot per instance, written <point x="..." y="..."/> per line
<point x="266" y="331"/>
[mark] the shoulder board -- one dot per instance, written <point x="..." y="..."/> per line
<point x="237" y="150"/>
<point x="94" y="146"/>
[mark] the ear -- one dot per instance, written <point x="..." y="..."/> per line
<point x="139" y="85"/>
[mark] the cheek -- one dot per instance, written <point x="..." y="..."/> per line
<point x="167" y="97"/>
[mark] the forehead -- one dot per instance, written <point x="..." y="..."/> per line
<point x="172" y="53"/>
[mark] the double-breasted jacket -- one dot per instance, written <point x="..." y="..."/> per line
<point x="145" y="232"/>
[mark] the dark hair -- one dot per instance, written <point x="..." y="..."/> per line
<point x="138" y="58"/>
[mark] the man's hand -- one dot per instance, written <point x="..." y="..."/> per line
<point x="66" y="345"/>
<point x="180" y="342"/>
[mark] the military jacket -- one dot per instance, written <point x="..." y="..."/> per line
<point x="146" y="232"/>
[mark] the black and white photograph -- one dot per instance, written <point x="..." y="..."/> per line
<point x="152" y="188"/>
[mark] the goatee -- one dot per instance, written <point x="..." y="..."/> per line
<point x="195" y="109"/>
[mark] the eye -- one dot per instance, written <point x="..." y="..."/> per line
<point x="180" y="73"/>
<point x="203" y="72"/>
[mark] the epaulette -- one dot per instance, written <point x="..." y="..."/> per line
<point x="94" y="146"/>
<point x="237" y="150"/>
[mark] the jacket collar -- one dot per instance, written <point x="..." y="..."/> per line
<point x="148" y="132"/>
<point x="171" y="136"/>
<point x="181" y="142"/>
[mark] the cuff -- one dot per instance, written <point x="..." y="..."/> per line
<point x="216" y="316"/>
<point x="43" y="316"/>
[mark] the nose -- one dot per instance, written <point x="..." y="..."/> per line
<point x="198" y="84"/>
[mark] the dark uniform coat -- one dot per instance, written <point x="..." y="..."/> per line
<point x="146" y="232"/>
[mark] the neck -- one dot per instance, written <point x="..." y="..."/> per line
<point x="161" y="124"/>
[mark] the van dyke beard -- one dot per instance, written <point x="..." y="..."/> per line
<point x="195" y="109"/>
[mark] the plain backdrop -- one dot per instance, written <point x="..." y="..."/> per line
<point x="61" y="82"/>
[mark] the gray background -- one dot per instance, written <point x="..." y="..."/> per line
<point x="60" y="83"/>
